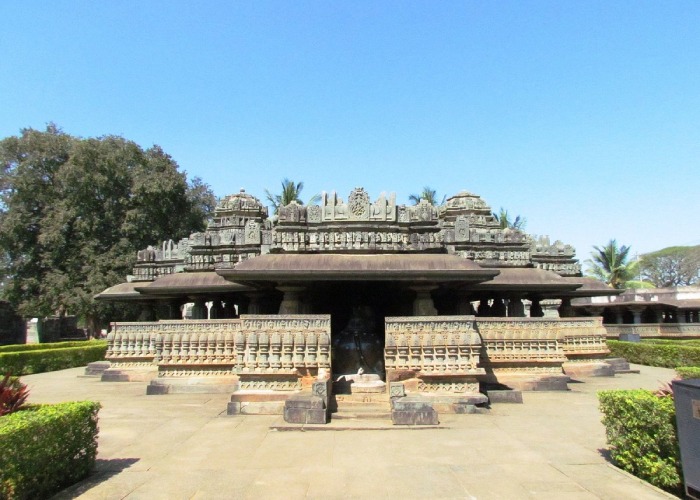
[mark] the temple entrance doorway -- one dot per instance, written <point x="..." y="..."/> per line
<point x="357" y="313"/>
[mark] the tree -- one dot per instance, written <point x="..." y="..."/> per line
<point x="430" y="195"/>
<point x="74" y="212"/>
<point x="503" y="218"/>
<point x="610" y="264"/>
<point x="672" y="266"/>
<point x="290" y="192"/>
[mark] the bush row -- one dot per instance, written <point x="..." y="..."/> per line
<point x="686" y="372"/>
<point x="54" y="345"/>
<point x="46" y="360"/>
<point x="47" y="448"/>
<point x="641" y="431"/>
<point x="656" y="354"/>
<point x="683" y="342"/>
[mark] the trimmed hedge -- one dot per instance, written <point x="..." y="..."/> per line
<point x="686" y="372"/>
<point x="47" y="448"/>
<point x="656" y="354"/>
<point x="641" y="431"/>
<point x="54" y="345"/>
<point x="46" y="360"/>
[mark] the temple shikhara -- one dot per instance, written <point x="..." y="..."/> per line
<point x="345" y="302"/>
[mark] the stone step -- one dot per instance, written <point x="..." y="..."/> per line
<point x="355" y="409"/>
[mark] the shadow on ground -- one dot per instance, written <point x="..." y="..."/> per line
<point x="104" y="469"/>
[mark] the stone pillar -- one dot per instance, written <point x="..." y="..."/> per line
<point x="423" y="303"/>
<point x="536" y="309"/>
<point x="484" y="308"/>
<point x="565" y="309"/>
<point x="682" y="318"/>
<point x="465" y="307"/>
<point x="199" y="311"/>
<point x="618" y="316"/>
<point x="148" y="312"/>
<point x="216" y="311"/>
<point x="498" y="309"/>
<point x="291" y="302"/>
<point x="175" y="308"/>
<point x="637" y="315"/>
<point x="516" y="308"/>
<point x="253" y="305"/>
<point x="229" y="308"/>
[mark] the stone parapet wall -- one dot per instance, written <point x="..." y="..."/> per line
<point x="441" y="353"/>
<point x="583" y="338"/>
<point x="432" y="344"/>
<point x="512" y="341"/>
<point x="265" y="352"/>
<point x="655" y="330"/>
<point x="133" y="342"/>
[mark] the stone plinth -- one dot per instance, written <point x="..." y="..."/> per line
<point x="192" y="385"/>
<point x="96" y="368"/>
<point x="355" y="383"/>
<point x="305" y="409"/>
<point x="244" y="402"/>
<point x="583" y="369"/>
<point x="413" y="410"/>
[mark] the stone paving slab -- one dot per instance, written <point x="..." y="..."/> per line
<point x="186" y="447"/>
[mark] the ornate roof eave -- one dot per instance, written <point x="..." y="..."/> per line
<point x="191" y="283"/>
<point x="417" y="268"/>
<point x="533" y="280"/>
<point x="122" y="292"/>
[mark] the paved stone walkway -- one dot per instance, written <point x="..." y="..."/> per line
<point x="185" y="447"/>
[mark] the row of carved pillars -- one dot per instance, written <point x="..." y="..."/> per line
<point x="643" y="314"/>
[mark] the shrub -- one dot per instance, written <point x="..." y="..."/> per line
<point x="54" y="345"/>
<point x="47" y="448"/>
<point x="685" y="372"/>
<point x="667" y="355"/>
<point x="641" y="431"/>
<point x="38" y="361"/>
<point x="13" y="394"/>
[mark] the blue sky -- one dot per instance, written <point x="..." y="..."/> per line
<point x="583" y="117"/>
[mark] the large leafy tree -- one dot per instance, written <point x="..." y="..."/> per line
<point x="506" y="222"/>
<point x="610" y="264"/>
<point x="291" y="191"/>
<point x="73" y="213"/>
<point x="428" y="194"/>
<point x="672" y="266"/>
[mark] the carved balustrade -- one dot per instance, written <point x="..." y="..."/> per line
<point x="442" y="351"/>
<point x="132" y="344"/>
<point x="266" y="352"/>
<point x="521" y="344"/>
<point x="655" y="330"/>
<point x="583" y="339"/>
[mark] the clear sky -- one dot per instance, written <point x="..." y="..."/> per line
<point x="583" y="116"/>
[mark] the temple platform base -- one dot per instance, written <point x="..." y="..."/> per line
<point x="620" y="365"/>
<point x="192" y="385"/>
<point x="117" y="373"/>
<point x="249" y="402"/>
<point x="356" y="383"/>
<point x="583" y="369"/>
<point x="96" y="368"/>
<point x="530" y="381"/>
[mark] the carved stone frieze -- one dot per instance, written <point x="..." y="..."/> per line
<point x="277" y="348"/>
<point x="432" y="345"/>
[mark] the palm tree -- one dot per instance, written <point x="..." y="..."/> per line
<point x="503" y="219"/>
<point x="430" y="195"/>
<point x="609" y="264"/>
<point x="290" y="192"/>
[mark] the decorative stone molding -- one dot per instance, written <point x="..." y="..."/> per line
<point x="272" y="352"/>
<point x="442" y="352"/>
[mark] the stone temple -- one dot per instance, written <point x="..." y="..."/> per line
<point x="358" y="301"/>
